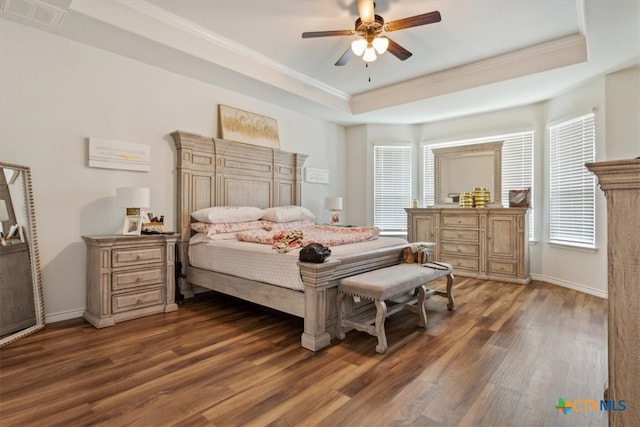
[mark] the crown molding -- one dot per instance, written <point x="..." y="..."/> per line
<point x="534" y="59"/>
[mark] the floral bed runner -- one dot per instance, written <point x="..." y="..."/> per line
<point x="285" y="240"/>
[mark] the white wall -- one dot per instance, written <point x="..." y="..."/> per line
<point x="56" y="93"/>
<point x="622" y="114"/>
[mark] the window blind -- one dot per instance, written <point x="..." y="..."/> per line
<point x="428" y="178"/>
<point x="392" y="190"/>
<point x="571" y="185"/>
<point x="517" y="169"/>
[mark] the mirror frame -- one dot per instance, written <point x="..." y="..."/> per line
<point x="34" y="254"/>
<point x="440" y="155"/>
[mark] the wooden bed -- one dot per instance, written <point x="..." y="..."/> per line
<point x="216" y="172"/>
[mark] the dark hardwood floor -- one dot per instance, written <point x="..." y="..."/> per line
<point x="502" y="357"/>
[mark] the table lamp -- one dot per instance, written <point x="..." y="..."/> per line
<point x="133" y="199"/>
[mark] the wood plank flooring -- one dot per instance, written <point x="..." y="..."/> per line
<point x="502" y="357"/>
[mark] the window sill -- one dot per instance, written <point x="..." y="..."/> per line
<point x="574" y="247"/>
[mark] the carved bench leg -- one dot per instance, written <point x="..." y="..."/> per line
<point x="422" y="312"/>
<point x="381" y="315"/>
<point x="451" y="303"/>
<point x="340" y="311"/>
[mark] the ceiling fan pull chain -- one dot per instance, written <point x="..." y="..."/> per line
<point x="366" y="65"/>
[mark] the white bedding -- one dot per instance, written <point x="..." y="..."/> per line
<point x="261" y="263"/>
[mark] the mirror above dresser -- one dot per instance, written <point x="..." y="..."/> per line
<point x="462" y="168"/>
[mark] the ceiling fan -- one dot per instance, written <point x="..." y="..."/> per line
<point x="369" y="27"/>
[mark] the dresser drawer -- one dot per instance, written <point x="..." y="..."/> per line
<point x="459" y="235"/>
<point x="134" y="300"/>
<point x="133" y="256"/>
<point x="472" y="264"/>
<point x="131" y="279"/>
<point x="460" y="221"/>
<point x="502" y="267"/>
<point x="459" y="248"/>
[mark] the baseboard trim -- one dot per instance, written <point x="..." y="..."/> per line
<point x="575" y="286"/>
<point x="63" y="315"/>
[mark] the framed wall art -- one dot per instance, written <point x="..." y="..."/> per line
<point x="249" y="128"/>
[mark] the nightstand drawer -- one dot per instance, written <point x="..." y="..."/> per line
<point x="136" y="278"/>
<point x="134" y="300"/>
<point x="462" y="235"/>
<point x="133" y="256"/>
<point x="460" y="221"/>
<point x="460" y="249"/>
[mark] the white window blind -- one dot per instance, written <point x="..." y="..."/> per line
<point x="517" y="166"/>
<point x="391" y="187"/>
<point x="571" y="185"/>
<point x="428" y="178"/>
<point x="517" y="169"/>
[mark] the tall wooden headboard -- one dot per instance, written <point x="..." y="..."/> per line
<point x="217" y="172"/>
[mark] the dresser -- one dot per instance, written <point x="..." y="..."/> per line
<point x="485" y="243"/>
<point x="620" y="181"/>
<point x="129" y="277"/>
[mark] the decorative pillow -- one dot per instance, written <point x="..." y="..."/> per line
<point x="222" y="214"/>
<point x="287" y="213"/>
<point x="228" y="227"/>
<point x="203" y="238"/>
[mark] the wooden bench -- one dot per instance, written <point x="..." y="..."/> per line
<point x="395" y="286"/>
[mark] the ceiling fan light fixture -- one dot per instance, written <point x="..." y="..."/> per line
<point x="380" y="44"/>
<point x="358" y="46"/>
<point x="369" y="54"/>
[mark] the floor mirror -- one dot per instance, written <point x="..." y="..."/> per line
<point x="21" y="303"/>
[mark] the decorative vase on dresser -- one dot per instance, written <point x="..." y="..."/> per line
<point x="129" y="277"/>
<point x="620" y="181"/>
<point x="485" y="243"/>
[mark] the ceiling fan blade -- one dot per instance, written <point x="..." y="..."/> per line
<point x="398" y="51"/>
<point x="366" y="11"/>
<point x="414" y="21"/>
<point x="345" y="57"/>
<point x="311" y="34"/>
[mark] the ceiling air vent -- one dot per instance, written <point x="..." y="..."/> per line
<point x="34" y="11"/>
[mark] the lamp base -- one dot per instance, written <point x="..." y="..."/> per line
<point x="334" y="217"/>
<point x="133" y="211"/>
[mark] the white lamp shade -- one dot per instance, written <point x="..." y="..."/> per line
<point x="333" y="203"/>
<point x="381" y="44"/>
<point x="358" y="46"/>
<point x="133" y="197"/>
<point x="4" y="214"/>
<point x="369" y="55"/>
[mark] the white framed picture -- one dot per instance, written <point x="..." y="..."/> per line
<point x="132" y="225"/>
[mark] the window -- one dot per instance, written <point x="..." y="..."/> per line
<point x="571" y="185"/>
<point x="517" y="167"/>
<point x="392" y="191"/>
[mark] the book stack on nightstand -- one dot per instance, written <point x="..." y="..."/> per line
<point x="129" y="277"/>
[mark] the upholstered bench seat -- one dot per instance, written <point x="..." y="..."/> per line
<point x="386" y="284"/>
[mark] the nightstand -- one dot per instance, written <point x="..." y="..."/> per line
<point x="129" y="277"/>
